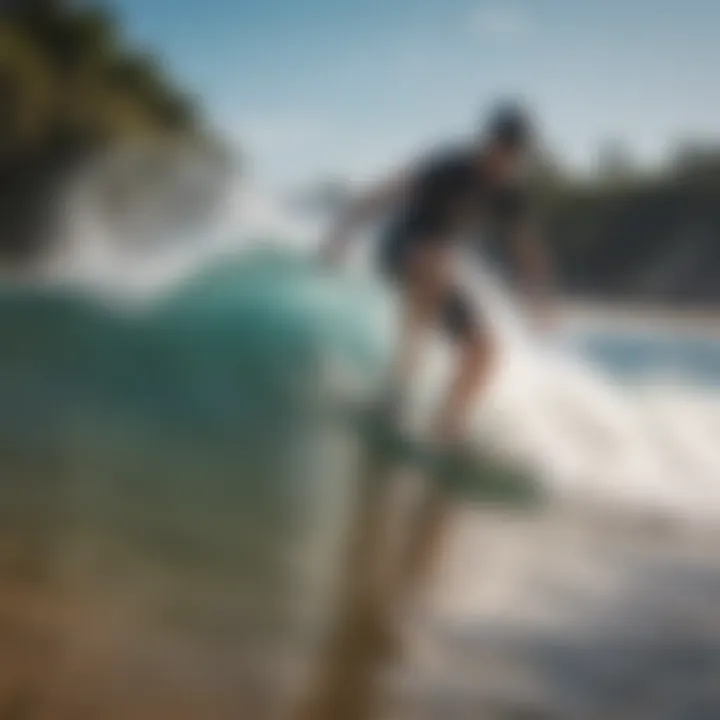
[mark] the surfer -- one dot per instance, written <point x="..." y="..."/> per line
<point x="439" y="202"/>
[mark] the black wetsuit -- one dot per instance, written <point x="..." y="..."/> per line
<point x="451" y="198"/>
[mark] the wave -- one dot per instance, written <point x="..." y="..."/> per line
<point x="648" y="444"/>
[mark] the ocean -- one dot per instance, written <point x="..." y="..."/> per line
<point x="174" y="498"/>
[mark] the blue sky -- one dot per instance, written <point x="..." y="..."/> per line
<point x="351" y="87"/>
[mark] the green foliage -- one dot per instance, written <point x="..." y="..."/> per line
<point x="94" y="89"/>
<point x="70" y="86"/>
<point x="651" y="237"/>
<point x="25" y="86"/>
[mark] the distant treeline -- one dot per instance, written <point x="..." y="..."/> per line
<point x="649" y="237"/>
<point x="69" y="86"/>
<point x="621" y="233"/>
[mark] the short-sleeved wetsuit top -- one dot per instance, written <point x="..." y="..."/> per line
<point x="452" y="198"/>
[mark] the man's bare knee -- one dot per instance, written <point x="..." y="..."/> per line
<point x="478" y="353"/>
<point x="428" y="278"/>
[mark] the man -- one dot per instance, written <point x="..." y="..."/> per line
<point x="435" y="205"/>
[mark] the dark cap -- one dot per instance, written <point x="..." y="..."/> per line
<point x="511" y="125"/>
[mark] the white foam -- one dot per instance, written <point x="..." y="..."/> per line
<point x="646" y="446"/>
<point x="651" y="446"/>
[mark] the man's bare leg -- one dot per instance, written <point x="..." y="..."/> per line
<point x="476" y="362"/>
<point x="363" y="637"/>
<point x="476" y="354"/>
<point x="436" y="511"/>
<point x="422" y="292"/>
<point x="420" y="306"/>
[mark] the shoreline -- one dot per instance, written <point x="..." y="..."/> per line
<point x="640" y="316"/>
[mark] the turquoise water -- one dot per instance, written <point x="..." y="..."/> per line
<point x="636" y="354"/>
<point x="201" y="358"/>
<point x="178" y="453"/>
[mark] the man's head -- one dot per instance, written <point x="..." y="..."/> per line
<point x="508" y="138"/>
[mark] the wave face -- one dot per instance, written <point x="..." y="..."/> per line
<point x="168" y="462"/>
<point x="247" y="339"/>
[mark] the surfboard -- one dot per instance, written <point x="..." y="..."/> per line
<point x="473" y="476"/>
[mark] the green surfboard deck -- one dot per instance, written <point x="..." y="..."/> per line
<point x="473" y="477"/>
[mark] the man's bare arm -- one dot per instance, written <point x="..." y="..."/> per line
<point x="381" y="198"/>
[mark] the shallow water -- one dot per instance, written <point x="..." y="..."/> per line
<point x="566" y="617"/>
<point x="585" y="613"/>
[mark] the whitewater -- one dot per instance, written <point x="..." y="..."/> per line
<point x="647" y="443"/>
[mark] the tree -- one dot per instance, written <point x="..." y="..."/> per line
<point x="697" y="161"/>
<point x="69" y="89"/>
<point x="25" y="83"/>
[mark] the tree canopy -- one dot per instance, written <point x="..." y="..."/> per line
<point x="67" y="77"/>
<point x="71" y="85"/>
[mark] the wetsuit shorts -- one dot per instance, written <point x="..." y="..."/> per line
<point x="459" y="318"/>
